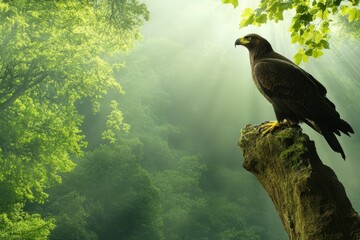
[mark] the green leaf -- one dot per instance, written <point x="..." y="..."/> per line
<point x="248" y="17"/>
<point x="233" y="2"/>
<point x="317" y="53"/>
<point x="302" y="9"/>
<point x="337" y="2"/>
<point x="295" y="24"/>
<point x="325" y="44"/>
<point x="318" y="37"/>
<point x="306" y="17"/>
<point x="262" y="18"/>
<point x="325" y="15"/>
<point x="334" y="10"/>
<point x="344" y="10"/>
<point x="309" y="52"/>
<point x="321" y="6"/>
<point x="294" y="37"/>
<point x="305" y="58"/>
<point x="248" y="12"/>
<point x="298" y="57"/>
<point x="352" y="14"/>
<point x="278" y="16"/>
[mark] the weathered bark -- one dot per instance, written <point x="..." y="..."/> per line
<point x="310" y="200"/>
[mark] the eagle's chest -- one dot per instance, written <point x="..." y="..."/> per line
<point x="255" y="78"/>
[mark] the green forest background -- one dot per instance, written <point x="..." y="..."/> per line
<point x="120" y="120"/>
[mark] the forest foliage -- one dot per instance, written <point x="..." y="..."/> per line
<point x="312" y="21"/>
<point x="51" y="57"/>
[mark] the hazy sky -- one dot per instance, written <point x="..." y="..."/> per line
<point x="201" y="22"/>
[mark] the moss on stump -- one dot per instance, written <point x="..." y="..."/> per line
<point x="310" y="200"/>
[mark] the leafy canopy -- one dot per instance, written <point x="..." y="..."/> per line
<point x="21" y="225"/>
<point x="53" y="56"/>
<point x="311" y="23"/>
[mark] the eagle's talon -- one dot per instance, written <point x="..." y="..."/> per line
<point x="269" y="127"/>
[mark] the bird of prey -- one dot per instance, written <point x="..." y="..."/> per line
<point x="296" y="96"/>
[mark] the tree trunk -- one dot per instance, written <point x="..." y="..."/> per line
<point x="310" y="200"/>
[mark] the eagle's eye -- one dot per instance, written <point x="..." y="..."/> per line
<point x="248" y="38"/>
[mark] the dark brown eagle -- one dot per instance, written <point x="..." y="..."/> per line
<point x="296" y="96"/>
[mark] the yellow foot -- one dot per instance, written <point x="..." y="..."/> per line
<point x="269" y="127"/>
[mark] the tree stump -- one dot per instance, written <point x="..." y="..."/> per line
<point x="310" y="200"/>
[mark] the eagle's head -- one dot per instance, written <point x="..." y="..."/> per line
<point x="257" y="45"/>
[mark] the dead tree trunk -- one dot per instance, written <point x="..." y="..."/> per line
<point x="310" y="200"/>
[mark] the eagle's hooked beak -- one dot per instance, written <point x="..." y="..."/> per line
<point x="241" y="41"/>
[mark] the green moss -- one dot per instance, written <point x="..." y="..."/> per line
<point x="286" y="133"/>
<point x="290" y="134"/>
<point x="294" y="142"/>
<point x="293" y="155"/>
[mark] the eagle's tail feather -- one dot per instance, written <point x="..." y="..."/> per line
<point x="329" y="134"/>
<point x="334" y="117"/>
<point x="333" y="141"/>
<point x="345" y="127"/>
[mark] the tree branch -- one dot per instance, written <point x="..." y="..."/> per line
<point x="21" y="90"/>
<point x="310" y="200"/>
